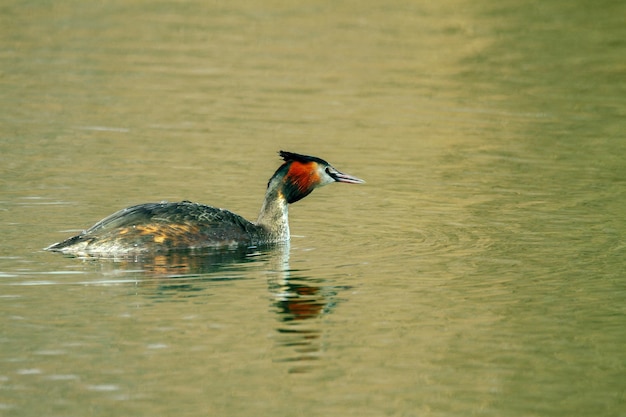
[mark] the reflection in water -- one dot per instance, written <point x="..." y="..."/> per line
<point x="298" y="302"/>
<point x="297" y="299"/>
<point x="171" y="275"/>
<point x="190" y="263"/>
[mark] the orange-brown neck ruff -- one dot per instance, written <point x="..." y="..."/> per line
<point x="300" y="180"/>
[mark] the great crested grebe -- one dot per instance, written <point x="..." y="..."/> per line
<point x="162" y="227"/>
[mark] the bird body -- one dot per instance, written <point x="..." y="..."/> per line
<point x="168" y="226"/>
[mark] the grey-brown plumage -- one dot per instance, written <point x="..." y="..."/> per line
<point x="161" y="227"/>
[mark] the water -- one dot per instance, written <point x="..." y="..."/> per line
<point x="480" y="271"/>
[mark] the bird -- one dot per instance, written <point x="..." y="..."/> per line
<point x="156" y="228"/>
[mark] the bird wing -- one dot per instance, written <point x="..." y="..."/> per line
<point x="163" y="226"/>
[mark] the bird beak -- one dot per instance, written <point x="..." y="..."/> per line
<point x="341" y="177"/>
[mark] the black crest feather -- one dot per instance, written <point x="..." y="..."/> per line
<point x="296" y="157"/>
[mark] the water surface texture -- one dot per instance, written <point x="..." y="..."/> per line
<point x="480" y="271"/>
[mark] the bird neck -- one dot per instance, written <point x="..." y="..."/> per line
<point x="274" y="215"/>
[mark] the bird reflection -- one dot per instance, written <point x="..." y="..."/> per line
<point x="182" y="273"/>
<point x="168" y="269"/>
<point x="298" y="300"/>
<point x="298" y="342"/>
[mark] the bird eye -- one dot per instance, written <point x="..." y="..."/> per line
<point x="332" y="173"/>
